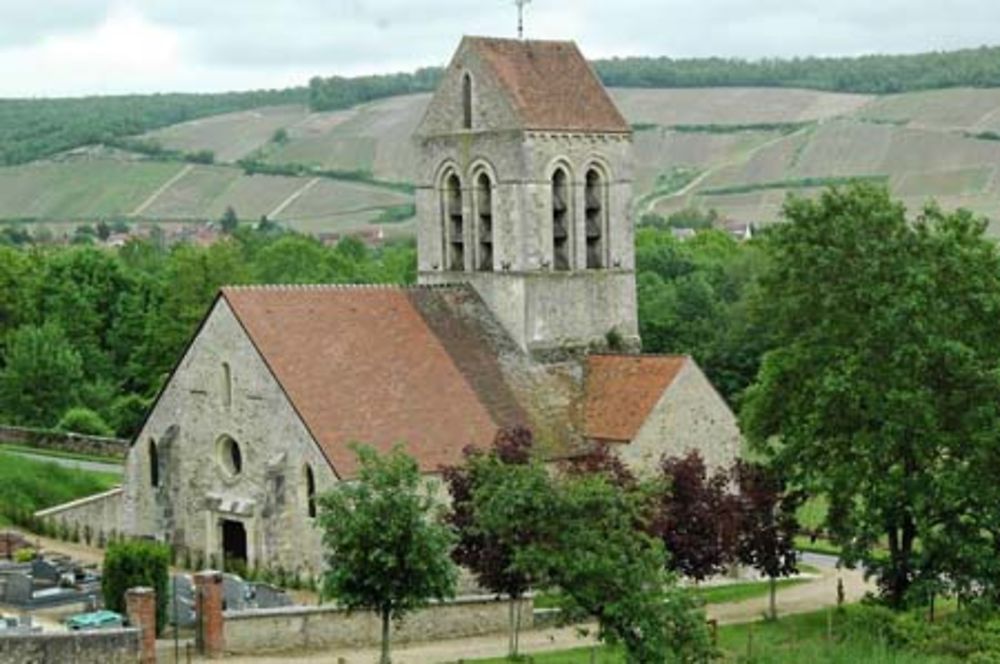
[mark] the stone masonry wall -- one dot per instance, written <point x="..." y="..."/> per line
<point x="299" y="628"/>
<point x="118" y="646"/>
<point x="64" y="442"/>
<point x="691" y="415"/>
<point x="102" y="512"/>
<point x="195" y="490"/>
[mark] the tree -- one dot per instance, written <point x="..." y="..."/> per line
<point x="487" y="554"/>
<point x="385" y="551"/>
<point x="767" y="524"/>
<point x="229" y="221"/>
<point x="882" y="388"/>
<point x="588" y="541"/>
<point x="40" y="375"/>
<point x="131" y="564"/>
<point x="697" y="517"/>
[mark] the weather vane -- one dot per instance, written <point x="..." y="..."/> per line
<point x="520" y="17"/>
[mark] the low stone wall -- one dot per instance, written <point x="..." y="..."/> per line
<point x="102" y="512"/>
<point x="303" y="628"/>
<point x="114" y="448"/>
<point x="115" y="646"/>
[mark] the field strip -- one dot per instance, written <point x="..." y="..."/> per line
<point x="166" y="185"/>
<point x="291" y="199"/>
<point x="742" y="158"/>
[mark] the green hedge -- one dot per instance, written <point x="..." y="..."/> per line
<point x="136" y="563"/>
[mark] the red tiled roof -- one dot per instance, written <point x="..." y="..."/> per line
<point x="551" y="85"/>
<point x="380" y="366"/>
<point x="621" y="391"/>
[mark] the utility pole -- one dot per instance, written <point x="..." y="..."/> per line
<point x="520" y="17"/>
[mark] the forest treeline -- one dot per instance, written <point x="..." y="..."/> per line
<point x="871" y="74"/>
<point x="34" y="128"/>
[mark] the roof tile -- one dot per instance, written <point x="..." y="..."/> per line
<point x="364" y="365"/>
<point x="551" y="85"/>
<point x="621" y="391"/>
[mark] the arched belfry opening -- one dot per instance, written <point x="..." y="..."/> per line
<point x="596" y="219"/>
<point x="467" y="101"/>
<point x="562" y="221"/>
<point x="453" y="223"/>
<point x="484" y="222"/>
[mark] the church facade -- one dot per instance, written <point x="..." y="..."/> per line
<point x="525" y="315"/>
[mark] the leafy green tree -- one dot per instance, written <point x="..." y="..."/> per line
<point x="292" y="259"/>
<point x="386" y="552"/>
<point x="80" y="290"/>
<point x="881" y="391"/>
<point x="486" y="554"/>
<point x="588" y="540"/>
<point x="41" y="371"/>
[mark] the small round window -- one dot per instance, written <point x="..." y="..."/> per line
<point x="230" y="456"/>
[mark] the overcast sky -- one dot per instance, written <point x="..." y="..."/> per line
<point x="73" y="47"/>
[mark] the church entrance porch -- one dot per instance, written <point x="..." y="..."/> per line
<point x="234" y="543"/>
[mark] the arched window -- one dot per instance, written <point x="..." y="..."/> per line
<point x="154" y="464"/>
<point x="454" y="224"/>
<point x="562" y="221"/>
<point x="484" y="223"/>
<point x="594" y="195"/>
<point x="467" y="101"/>
<point x="227" y="385"/>
<point x="310" y="495"/>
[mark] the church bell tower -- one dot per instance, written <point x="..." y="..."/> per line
<point x="524" y="187"/>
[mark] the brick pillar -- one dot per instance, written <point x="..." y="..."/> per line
<point x="140" y="606"/>
<point x="210" y="637"/>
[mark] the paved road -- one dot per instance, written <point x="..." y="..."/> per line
<point x="109" y="467"/>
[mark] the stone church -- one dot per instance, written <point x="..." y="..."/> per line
<point x="525" y="315"/>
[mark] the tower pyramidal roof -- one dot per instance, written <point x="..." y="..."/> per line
<point x="550" y="85"/>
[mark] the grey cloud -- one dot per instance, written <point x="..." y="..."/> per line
<point x="23" y="23"/>
<point x="272" y="38"/>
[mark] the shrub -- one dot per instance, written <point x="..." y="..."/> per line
<point x="129" y="564"/>
<point x="24" y="556"/>
<point x="84" y="421"/>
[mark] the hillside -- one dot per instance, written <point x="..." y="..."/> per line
<point x="736" y="149"/>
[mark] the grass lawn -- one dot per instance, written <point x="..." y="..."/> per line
<point x="733" y="592"/>
<point x="793" y="639"/>
<point x="26" y="484"/>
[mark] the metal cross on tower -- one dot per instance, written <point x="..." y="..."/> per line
<point x="520" y="17"/>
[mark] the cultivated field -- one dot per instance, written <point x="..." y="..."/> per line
<point x="230" y="136"/>
<point x="738" y="149"/>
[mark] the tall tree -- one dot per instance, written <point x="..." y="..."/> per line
<point x="767" y="524"/>
<point x="884" y="380"/>
<point x="696" y="518"/>
<point x="40" y="375"/>
<point x="589" y="542"/>
<point x="386" y="552"/>
<point x="486" y="553"/>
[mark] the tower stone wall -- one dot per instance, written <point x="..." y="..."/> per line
<point x="550" y="298"/>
